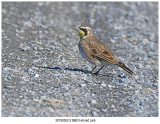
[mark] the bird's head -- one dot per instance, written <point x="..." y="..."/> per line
<point x="85" y="31"/>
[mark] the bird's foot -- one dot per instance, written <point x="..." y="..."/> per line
<point x="94" y="74"/>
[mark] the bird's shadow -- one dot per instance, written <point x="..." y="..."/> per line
<point x="73" y="69"/>
<point x="68" y="69"/>
<point x="79" y="70"/>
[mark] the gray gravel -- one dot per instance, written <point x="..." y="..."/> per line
<point x="43" y="73"/>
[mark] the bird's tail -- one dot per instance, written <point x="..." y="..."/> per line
<point x="123" y="66"/>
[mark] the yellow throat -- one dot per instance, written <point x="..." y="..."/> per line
<point x="81" y="33"/>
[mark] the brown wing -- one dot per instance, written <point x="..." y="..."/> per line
<point x="97" y="50"/>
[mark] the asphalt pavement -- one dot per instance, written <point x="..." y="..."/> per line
<point x="43" y="74"/>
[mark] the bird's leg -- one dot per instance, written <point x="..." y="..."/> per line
<point x="93" y="69"/>
<point x="98" y="71"/>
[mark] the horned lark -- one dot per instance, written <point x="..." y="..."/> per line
<point x="96" y="52"/>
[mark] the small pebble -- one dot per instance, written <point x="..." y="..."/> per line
<point x="136" y="77"/>
<point x="103" y="85"/>
<point x="123" y="36"/>
<point x="94" y="113"/>
<point x="140" y="65"/>
<point x="82" y="85"/>
<point x="110" y="86"/>
<point x="36" y="75"/>
<point x="112" y="106"/>
<point x="93" y="102"/>
<point x="120" y="81"/>
<point x="104" y="110"/>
